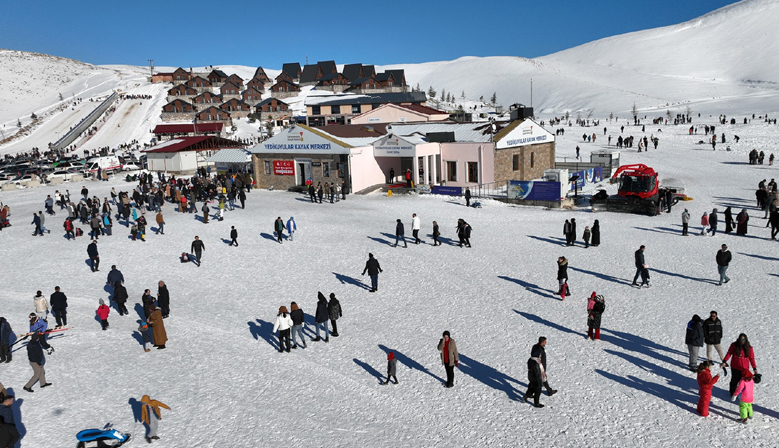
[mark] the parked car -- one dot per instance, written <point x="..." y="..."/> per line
<point x="65" y="175"/>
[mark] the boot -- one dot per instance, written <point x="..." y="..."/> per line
<point x="334" y="334"/>
<point x="327" y="339"/>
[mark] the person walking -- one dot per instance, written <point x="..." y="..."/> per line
<point x="573" y="232"/>
<point x="94" y="256"/>
<point x="120" y="297"/>
<point x="464" y="233"/>
<point x="723" y="261"/>
<point x="36" y="221"/>
<point x="291" y="228"/>
<point x="233" y="236"/>
<point x="392" y="368"/>
<point x="713" y="218"/>
<point x="5" y="341"/>
<point x="705" y="385"/>
<point x="642" y="268"/>
<point x="41" y="305"/>
<point x="729" y="223"/>
<point x="562" y="276"/>
<point x="685" y="222"/>
<point x="694" y="340"/>
<point x="160" y="223"/>
<point x="746" y="389"/>
<point x="283" y="325"/>
<point x="467" y="197"/>
<point x="163" y="299"/>
<point x="197" y="249"/>
<point x="705" y="223"/>
<point x="278" y="229"/>
<point x="321" y="317"/>
<point x="535" y="377"/>
<point x="298" y="320"/>
<point x="743" y="356"/>
<point x="416" y="224"/>
<point x="143" y="329"/>
<point x="595" y="234"/>
<point x="436" y="234"/>
<point x="712" y="335"/>
<point x="157" y="327"/>
<point x="37" y="359"/>
<point x="205" y="211"/>
<point x="373" y="268"/>
<point x="586" y="236"/>
<point x="399" y="234"/>
<point x="102" y="313"/>
<point x="334" y="311"/>
<point x="596" y="305"/>
<point x="59" y="307"/>
<point x="449" y="357"/>
<point x="151" y="415"/>
<point x="539" y="351"/>
<point x="742" y="220"/>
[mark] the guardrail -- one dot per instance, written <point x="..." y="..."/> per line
<point x="85" y="123"/>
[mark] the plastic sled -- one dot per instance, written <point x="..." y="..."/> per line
<point x="101" y="438"/>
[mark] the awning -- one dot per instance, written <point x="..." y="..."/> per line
<point x="231" y="155"/>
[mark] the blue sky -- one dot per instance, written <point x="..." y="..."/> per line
<point x="196" y="32"/>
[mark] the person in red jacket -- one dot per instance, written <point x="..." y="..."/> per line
<point x="743" y="356"/>
<point x="102" y="312"/>
<point x="705" y="384"/>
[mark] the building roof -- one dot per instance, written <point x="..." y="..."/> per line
<point x="184" y="128"/>
<point x="378" y="98"/>
<point x="258" y="71"/>
<point x="231" y="155"/>
<point x="218" y="73"/>
<point x="309" y="73"/>
<point x="291" y="68"/>
<point x="398" y="75"/>
<point x="200" y="143"/>
<point x="359" y="81"/>
<point x="463" y="132"/>
<point x="424" y="109"/>
<point x="355" y="130"/>
<point x="163" y="74"/>
<point x="353" y="71"/>
<point x="268" y="100"/>
<point x="328" y="67"/>
<point x="369" y="70"/>
<point x="228" y="84"/>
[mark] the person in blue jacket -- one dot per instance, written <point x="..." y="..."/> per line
<point x="291" y="228"/>
<point x="94" y="257"/>
<point x="35" y="355"/>
<point x="36" y="220"/>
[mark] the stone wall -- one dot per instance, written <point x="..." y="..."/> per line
<point x="178" y="116"/>
<point x="279" y="182"/>
<point x="282" y="95"/>
<point x="541" y="155"/>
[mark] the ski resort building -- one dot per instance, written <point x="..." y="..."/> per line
<point x="339" y="109"/>
<point x="184" y="155"/>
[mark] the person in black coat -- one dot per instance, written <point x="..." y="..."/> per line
<point x="595" y="234"/>
<point x="8" y="435"/>
<point x="197" y="248"/>
<point x="59" y="306"/>
<point x="312" y="192"/>
<point x="639" y="259"/>
<point x="573" y="232"/>
<point x="35" y="356"/>
<point x="694" y="340"/>
<point x="567" y="232"/>
<point x="562" y="273"/>
<point x="539" y="351"/>
<point x="534" y="377"/>
<point x="5" y="340"/>
<point x="233" y="236"/>
<point x="298" y="320"/>
<point x="400" y="234"/>
<point x="729" y="224"/>
<point x="334" y="311"/>
<point x="321" y="317"/>
<point x="120" y="297"/>
<point x="373" y="268"/>
<point x="163" y="299"/>
<point x="278" y="228"/>
<point x="148" y="300"/>
<point x="467" y="197"/>
<point x="242" y="198"/>
<point x="712" y="335"/>
<point x="94" y="256"/>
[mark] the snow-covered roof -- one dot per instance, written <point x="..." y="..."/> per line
<point x="463" y="132"/>
<point x="231" y="155"/>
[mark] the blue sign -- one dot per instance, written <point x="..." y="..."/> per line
<point x="534" y="190"/>
<point x="451" y="191"/>
<point x="587" y="177"/>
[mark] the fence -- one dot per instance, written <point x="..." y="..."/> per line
<point x="85" y="123"/>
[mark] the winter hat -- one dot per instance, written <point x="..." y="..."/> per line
<point x="593" y="295"/>
<point x="144" y="325"/>
<point x="102" y="302"/>
<point x="747" y="375"/>
<point x="391" y="356"/>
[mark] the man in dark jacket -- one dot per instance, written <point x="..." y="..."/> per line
<point x="723" y="260"/>
<point x="59" y="306"/>
<point x="640" y="262"/>
<point x="36" y="220"/>
<point x="312" y="192"/>
<point x="278" y="228"/>
<point x="399" y="234"/>
<point x="94" y="257"/>
<point x="197" y="249"/>
<point x="163" y="299"/>
<point x="233" y="236"/>
<point x="148" y="300"/>
<point x="114" y="277"/>
<point x="35" y="355"/>
<point x="694" y="340"/>
<point x="205" y="211"/>
<point x="120" y="297"/>
<point x="534" y="377"/>
<point x="373" y="269"/>
<point x="539" y="351"/>
<point x="298" y="320"/>
<point x="322" y="317"/>
<point x="334" y="311"/>
<point x="5" y="340"/>
<point x="712" y="335"/>
<point x="467" y="197"/>
<point x="8" y="433"/>
<point x="242" y="198"/>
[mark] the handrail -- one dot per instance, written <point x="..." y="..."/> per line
<point x="85" y="123"/>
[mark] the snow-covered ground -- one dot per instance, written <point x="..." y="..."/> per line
<point x="225" y="381"/>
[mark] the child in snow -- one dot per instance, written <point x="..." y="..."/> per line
<point x="586" y="236"/>
<point x="145" y="336"/>
<point x="705" y="384"/>
<point x="392" y="367"/>
<point x="704" y="223"/>
<point x="596" y="305"/>
<point x="102" y="312"/>
<point x="134" y="232"/>
<point x="745" y="388"/>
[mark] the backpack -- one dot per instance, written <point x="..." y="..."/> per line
<point x="600" y="305"/>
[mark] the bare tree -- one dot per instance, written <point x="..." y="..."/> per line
<point x="634" y="111"/>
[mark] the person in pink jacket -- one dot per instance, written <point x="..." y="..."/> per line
<point x="704" y="223"/>
<point x="743" y="356"/>
<point x="705" y="384"/>
<point x="745" y="388"/>
<point x="102" y="312"/>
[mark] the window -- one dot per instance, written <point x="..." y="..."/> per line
<point x="316" y="110"/>
<point x="267" y="167"/>
<point x="341" y="170"/>
<point x="473" y="172"/>
<point x="325" y="169"/>
<point x="451" y="171"/>
<point x="515" y="162"/>
<point x="532" y="159"/>
<point x="335" y="109"/>
<point x="355" y="108"/>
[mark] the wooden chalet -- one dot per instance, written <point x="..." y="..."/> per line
<point x="251" y="95"/>
<point x="162" y="77"/>
<point x="207" y="98"/>
<point x="229" y="89"/>
<point x="178" y="106"/>
<point x="272" y="105"/>
<point x="217" y="77"/>
<point x="213" y="114"/>
<point x="235" y="79"/>
<point x="182" y="90"/>
<point x="353" y="71"/>
<point x="284" y="86"/>
<point x="292" y="69"/>
<point x="235" y="105"/>
<point x="285" y="77"/>
<point x="256" y="83"/>
<point x="180" y="75"/>
<point x="261" y="75"/>
<point x="196" y="82"/>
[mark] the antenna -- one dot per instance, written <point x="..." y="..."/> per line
<point x="151" y="67"/>
<point x="306" y="58"/>
<point x="531" y="92"/>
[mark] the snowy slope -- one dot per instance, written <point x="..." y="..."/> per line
<point x="224" y="379"/>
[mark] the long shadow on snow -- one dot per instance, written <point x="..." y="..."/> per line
<point x="444" y="240"/>
<point x="660" y="230"/>
<point x="380" y="240"/>
<point x="550" y="239"/>
<point x="762" y="257"/>
<point x="137" y="408"/>
<point x="139" y="309"/>
<point x="645" y="346"/>
<point x="345" y="279"/>
<point x="376" y="374"/>
<point x="535" y="289"/>
<point x="391" y="236"/>
<point x="490" y="377"/>
<point x="264" y="330"/>
<point x="674" y="396"/>
<point x="610" y="278"/>
<point x="686" y="277"/>
<point x="541" y="320"/>
<point x="410" y="363"/>
<point x="16" y="409"/>
<point x="268" y="236"/>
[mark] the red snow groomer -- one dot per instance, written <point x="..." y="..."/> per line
<point x="639" y="192"/>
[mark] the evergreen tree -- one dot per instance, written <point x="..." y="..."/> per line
<point x="481" y="98"/>
<point x="417" y="88"/>
<point x="431" y="92"/>
<point x="18" y="122"/>
<point x="443" y="94"/>
<point x="61" y="96"/>
<point x="494" y="98"/>
<point x="462" y="95"/>
<point x="33" y="116"/>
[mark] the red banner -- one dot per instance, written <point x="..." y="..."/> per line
<point x="284" y="167"/>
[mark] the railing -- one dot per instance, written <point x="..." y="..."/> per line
<point x="490" y="190"/>
<point x="85" y="123"/>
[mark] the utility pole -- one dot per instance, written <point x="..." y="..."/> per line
<point x="531" y="92"/>
<point x="151" y="67"/>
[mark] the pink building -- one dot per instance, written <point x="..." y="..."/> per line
<point x="393" y="113"/>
